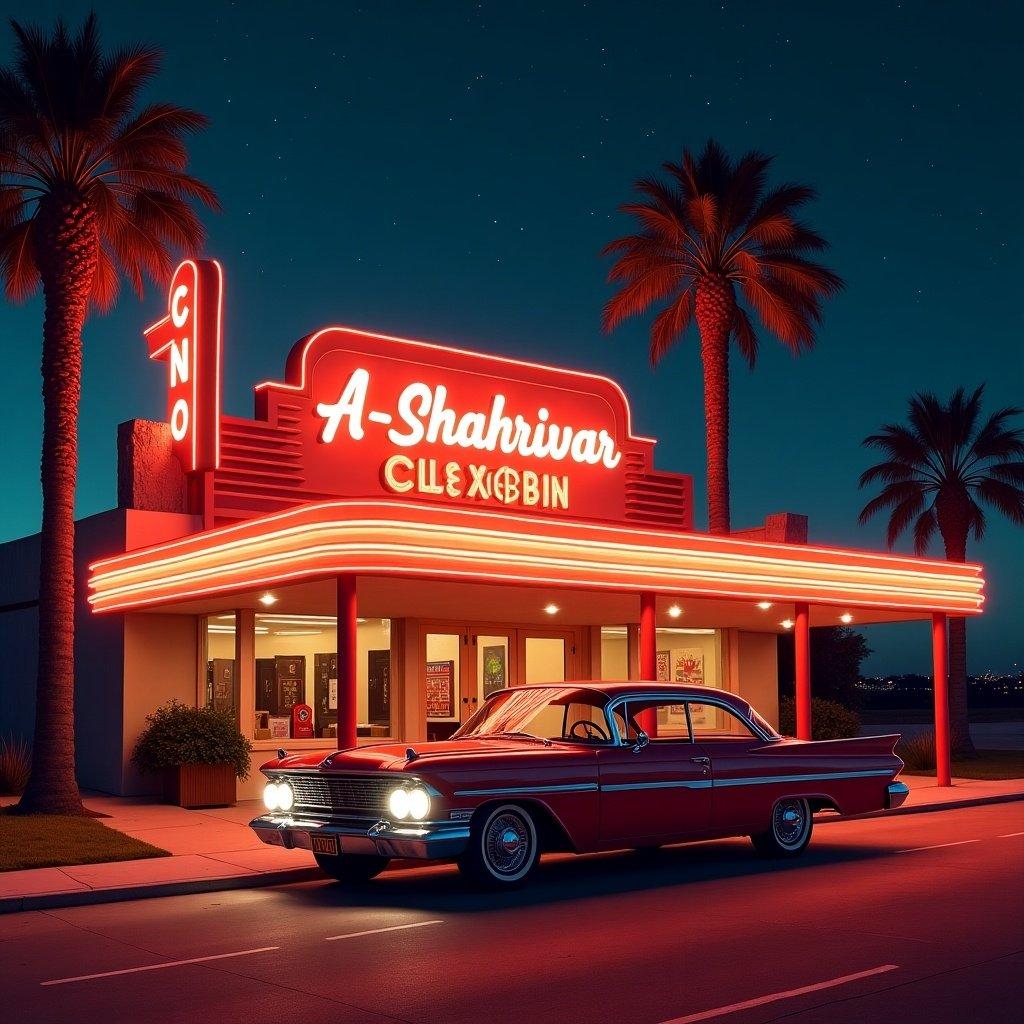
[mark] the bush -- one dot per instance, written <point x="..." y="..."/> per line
<point x="918" y="752"/>
<point x="178" y="735"/>
<point x="15" y="765"/>
<point x="829" y="719"/>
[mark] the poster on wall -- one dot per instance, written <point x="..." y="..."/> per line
<point x="440" y="689"/>
<point x="378" y="683"/>
<point x="494" y="668"/>
<point x="664" y="666"/>
<point x="688" y="668"/>
<point x="688" y="664"/>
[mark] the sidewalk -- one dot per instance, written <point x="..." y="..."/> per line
<point x="210" y="850"/>
<point x="215" y="849"/>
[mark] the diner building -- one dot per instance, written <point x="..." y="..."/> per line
<point x="404" y="527"/>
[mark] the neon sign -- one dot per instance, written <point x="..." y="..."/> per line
<point x="365" y="415"/>
<point x="425" y="416"/>
<point x="375" y="415"/>
<point x="188" y="339"/>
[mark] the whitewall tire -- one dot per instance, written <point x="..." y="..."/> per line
<point x="503" y="847"/>
<point x="789" y="831"/>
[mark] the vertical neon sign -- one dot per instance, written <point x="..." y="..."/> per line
<point x="188" y="340"/>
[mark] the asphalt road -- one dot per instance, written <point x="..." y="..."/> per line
<point x="910" y="918"/>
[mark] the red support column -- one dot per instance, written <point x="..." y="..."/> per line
<point x="346" y="661"/>
<point x="940" y="663"/>
<point x="648" y="655"/>
<point x="802" y="658"/>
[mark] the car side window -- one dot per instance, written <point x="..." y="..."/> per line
<point x="670" y="718"/>
<point x="713" y="722"/>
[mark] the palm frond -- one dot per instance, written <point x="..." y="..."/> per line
<point x="17" y="262"/>
<point x="670" y="324"/>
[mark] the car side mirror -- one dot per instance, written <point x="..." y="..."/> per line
<point x="642" y="740"/>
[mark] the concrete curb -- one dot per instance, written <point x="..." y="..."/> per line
<point x="185" y="887"/>
<point x="292" y="876"/>
<point x="949" y="805"/>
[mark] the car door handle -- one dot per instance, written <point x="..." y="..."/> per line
<point x="701" y="760"/>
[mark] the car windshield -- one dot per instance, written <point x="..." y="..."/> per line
<point x="543" y="713"/>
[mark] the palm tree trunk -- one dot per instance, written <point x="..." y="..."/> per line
<point x="952" y="516"/>
<point x="66" y="253"/>
<point x="714" y="313"/>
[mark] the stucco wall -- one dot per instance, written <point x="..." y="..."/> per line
<point x="759" y="672"/>
<point x="160" y="659"/>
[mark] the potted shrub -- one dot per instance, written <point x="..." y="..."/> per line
<point x="198" y="751"/>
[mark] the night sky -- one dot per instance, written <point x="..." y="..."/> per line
<point x="450" y="171"/>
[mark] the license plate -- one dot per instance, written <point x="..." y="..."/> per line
<point x="324" y="844"/>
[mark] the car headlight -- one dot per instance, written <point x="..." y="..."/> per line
<point x="398" y="803"/>
<point x="270" y="798"/>
<point x="278" y="796"/>
<point x="409" y="803"/>
<point x="419" y="803"/>
<point x="285" y="796"/>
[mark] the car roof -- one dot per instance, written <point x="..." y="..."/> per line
<point x="617" y="687"/>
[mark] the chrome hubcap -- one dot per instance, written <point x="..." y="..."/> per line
<point x="507" y="844"/>
<point x="790" y="820"/>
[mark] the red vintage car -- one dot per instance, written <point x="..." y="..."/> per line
<point x="578" y="767"/>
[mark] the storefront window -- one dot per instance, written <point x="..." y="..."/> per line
<point x="689" y="656"/>
<point x="221" y="684"/>
<point x="296" y="675"/>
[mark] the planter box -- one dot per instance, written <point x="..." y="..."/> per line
<point x="200" y="785"/>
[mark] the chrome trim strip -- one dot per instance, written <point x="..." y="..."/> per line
<point x="574" y="787"/>
<point x="763" y="780"/>
<point x="619" y="787"/>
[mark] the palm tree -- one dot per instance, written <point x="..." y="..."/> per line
<point x="90" y="187"/>
<point x="713" y="227"/>
<point x="936" y="469"/>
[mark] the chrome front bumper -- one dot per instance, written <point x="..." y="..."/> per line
<point x="897" y="794"/>
<point x="428" y="840"/>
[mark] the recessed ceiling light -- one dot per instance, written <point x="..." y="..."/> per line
<point x="552" y="609"/>
<point x="297" y="632"/>
<point x="675" y="611"/>
<point x="846" y="617"/>
<point x="267" y="600"/>
<point x="786" y="623"/>
<point x="764" y="605"/>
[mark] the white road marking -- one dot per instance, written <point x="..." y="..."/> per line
<point x="377" y="931"/>
<point x="776" y="996"/>
<point x="939" y="846"/>
<point x="158" y="967"/>
<point x="1011" y="835"/>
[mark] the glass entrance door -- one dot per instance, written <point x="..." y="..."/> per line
<point x="494" y="663"/>
<point x="546" y="656"/>
<point x="463" y="664"/>
<point x="444" y="675"/>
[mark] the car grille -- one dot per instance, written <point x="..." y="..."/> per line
<point x="346" y="794"/>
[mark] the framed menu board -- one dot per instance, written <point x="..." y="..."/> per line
<point x="291" y="682"/>
<point x="441" y="689"/>
<point x="378" y="682"/>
